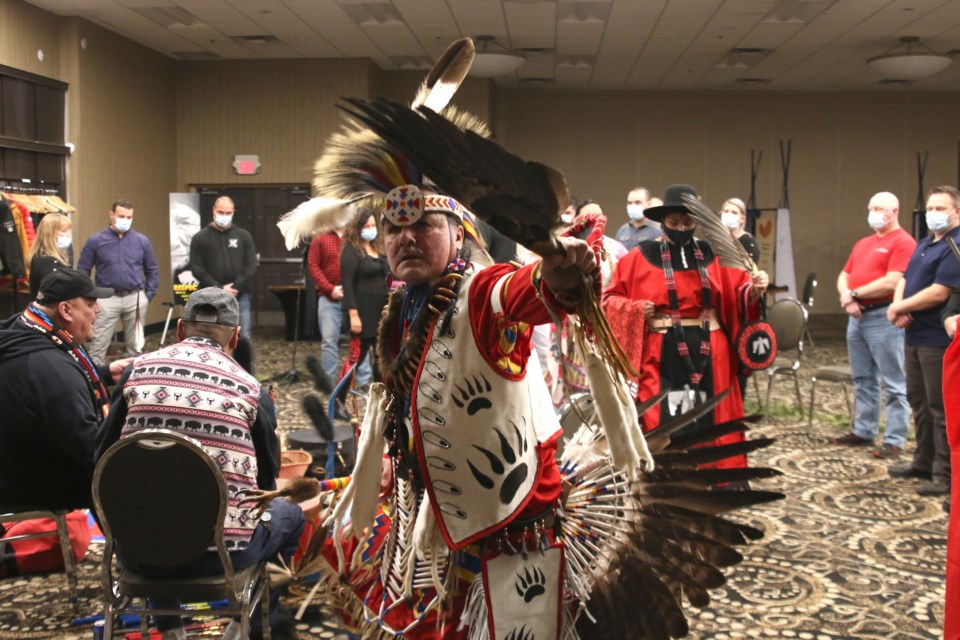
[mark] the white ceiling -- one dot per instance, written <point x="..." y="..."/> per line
<point x="632" y="44"/>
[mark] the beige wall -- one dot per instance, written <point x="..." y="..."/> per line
<point x="845" y="148"/>
<point x="24" y="30"/>
<point x="281" y="110"/>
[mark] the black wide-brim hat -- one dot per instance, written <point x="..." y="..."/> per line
<point x="672" y="202"/>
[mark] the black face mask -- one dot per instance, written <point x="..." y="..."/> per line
<point x="677" y="236"/>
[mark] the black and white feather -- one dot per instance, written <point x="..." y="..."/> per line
<point x="709" y="227"/>
<point x="644" y="551"/>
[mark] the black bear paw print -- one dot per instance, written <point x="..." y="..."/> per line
<point x="509" y="454"/>
<point x="520" y="634"/>
<point x="470" y="397"/>
<point x="530" y="585"/>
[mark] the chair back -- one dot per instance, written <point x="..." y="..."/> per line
<point x="788" y="319"/>
<point x="161" y="497"/>
<point x="809" y="288"/>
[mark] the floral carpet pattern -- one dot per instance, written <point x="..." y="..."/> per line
<point x="851" y="553"/>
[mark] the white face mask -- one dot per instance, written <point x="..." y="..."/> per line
<point x="123" y="224"/>
<point x="876" y="219"/>
<point x="566" y="218"/>
<point x="635" y="212"/>
<point x="368" y="234"/>
<point x="730" y="220"/>
<point x="64" y="242"/>
<point x="222" y="221"/>
<point x="937" y="221"/>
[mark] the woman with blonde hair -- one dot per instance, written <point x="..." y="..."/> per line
<point x="50" y="248"/>
<point x="733" y="214"/>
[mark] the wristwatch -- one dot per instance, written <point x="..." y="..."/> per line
<point x="854" y="294"/>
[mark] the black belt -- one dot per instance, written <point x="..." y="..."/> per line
<point x="125" y="293"/>
<point x="871" y="307"/>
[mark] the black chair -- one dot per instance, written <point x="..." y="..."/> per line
<point x="11" y="513"/>
<point x="788" y="319"/>
<point x="809" y="288"/>
<point x="163" y="499"/>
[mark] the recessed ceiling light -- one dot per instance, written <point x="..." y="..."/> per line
<point x="257" y="39"/>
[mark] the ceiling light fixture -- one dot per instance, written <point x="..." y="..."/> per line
<point x="903" y="62"/>
<point x="492" y="62"/>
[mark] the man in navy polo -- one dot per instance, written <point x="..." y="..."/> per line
<point x="932" y="275"/>
<point x="125" y="262"/>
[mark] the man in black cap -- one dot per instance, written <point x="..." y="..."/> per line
<point x="196" y="388"/>
<point x="53" y="397"/>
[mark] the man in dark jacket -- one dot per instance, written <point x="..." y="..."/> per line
<point x="53" y="396"/>
<point x="223" y="255"/>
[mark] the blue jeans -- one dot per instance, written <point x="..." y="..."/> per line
<point x="875" y="347"/>
<point x="246" y="317"/>
<point x="364" y="371"/>
<point x="280" y="535"/>
<point x="330" y="319"/>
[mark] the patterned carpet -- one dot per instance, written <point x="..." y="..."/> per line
<point x="851" y="553"/>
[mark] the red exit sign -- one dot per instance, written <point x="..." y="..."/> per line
<point x="248" y="165"/>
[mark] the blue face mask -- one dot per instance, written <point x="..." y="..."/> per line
<point x="937" y="221"/>
<point x="222" y="221"/>
<point x="123" y="224"/>
<point x="368" y="234"/>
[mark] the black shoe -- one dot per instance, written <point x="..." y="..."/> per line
<point x="852" y="440"/>
<point x="908" y="471"/>
<point x="934" y="488"/>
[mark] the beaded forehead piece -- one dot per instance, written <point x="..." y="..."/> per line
<point x="406" y="204"/>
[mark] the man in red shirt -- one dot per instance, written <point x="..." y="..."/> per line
<point x="323" y="263"/>
<point x="874" y="344"/>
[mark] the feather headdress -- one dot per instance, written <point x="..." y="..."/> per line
<point x="359" y="167"/>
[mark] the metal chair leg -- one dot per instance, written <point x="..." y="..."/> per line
<point x="813" y="393"/>
<point x="846" y="396"/>
<point x="770" y="378"/>
<point x="69" y="562"/>
<point x="796" y="387"/>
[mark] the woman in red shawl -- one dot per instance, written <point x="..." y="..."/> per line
<point x="676" y="312"/>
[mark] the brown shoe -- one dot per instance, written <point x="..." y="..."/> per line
<point x="852" y="440"/>
<point x="888" y="451"/>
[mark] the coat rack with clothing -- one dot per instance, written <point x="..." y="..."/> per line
<point x="22" y="206"/>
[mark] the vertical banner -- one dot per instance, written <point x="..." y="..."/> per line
<point x="184" y="223"/>
<point x="786" y="274"/>
<point x="766" y="237"/>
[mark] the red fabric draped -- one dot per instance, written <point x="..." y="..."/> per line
<point x="951" y="402"/>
